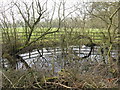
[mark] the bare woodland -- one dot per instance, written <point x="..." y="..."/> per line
<point x="34" y="26"/>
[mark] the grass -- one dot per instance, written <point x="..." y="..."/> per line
<point x="97" y="76"/>
<point x="97" y="35"/>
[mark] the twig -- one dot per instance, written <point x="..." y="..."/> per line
<point x="8" y="79"/>
<point x="59" y="84"/>
<point x="19" y="79"/>
<point x="36" y="81"/>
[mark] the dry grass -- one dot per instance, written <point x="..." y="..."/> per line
<point x="98" y="76"/>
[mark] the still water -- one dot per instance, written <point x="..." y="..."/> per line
<point x="47" y="57"/>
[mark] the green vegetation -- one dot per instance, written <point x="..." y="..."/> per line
<point x="97" y="35"/>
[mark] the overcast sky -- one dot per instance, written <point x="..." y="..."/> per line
<point x="6" y="4"/>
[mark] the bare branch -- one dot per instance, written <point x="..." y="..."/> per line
<point x="26" y="21"/>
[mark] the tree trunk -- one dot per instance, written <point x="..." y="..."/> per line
<point x="118" y="45"/>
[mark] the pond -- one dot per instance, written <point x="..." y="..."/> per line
<point x="59" y="57"/>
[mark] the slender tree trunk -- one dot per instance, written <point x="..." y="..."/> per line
<point x="119" y="46"/>
<point x="0" y="57"/>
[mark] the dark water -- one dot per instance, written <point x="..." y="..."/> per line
<point x="49" y="57"/>
<point x="58" y="58"/>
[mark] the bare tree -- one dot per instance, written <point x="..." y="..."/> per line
<point x="31" y="17"/>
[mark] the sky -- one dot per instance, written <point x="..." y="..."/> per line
<point x="6" y="4"/>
